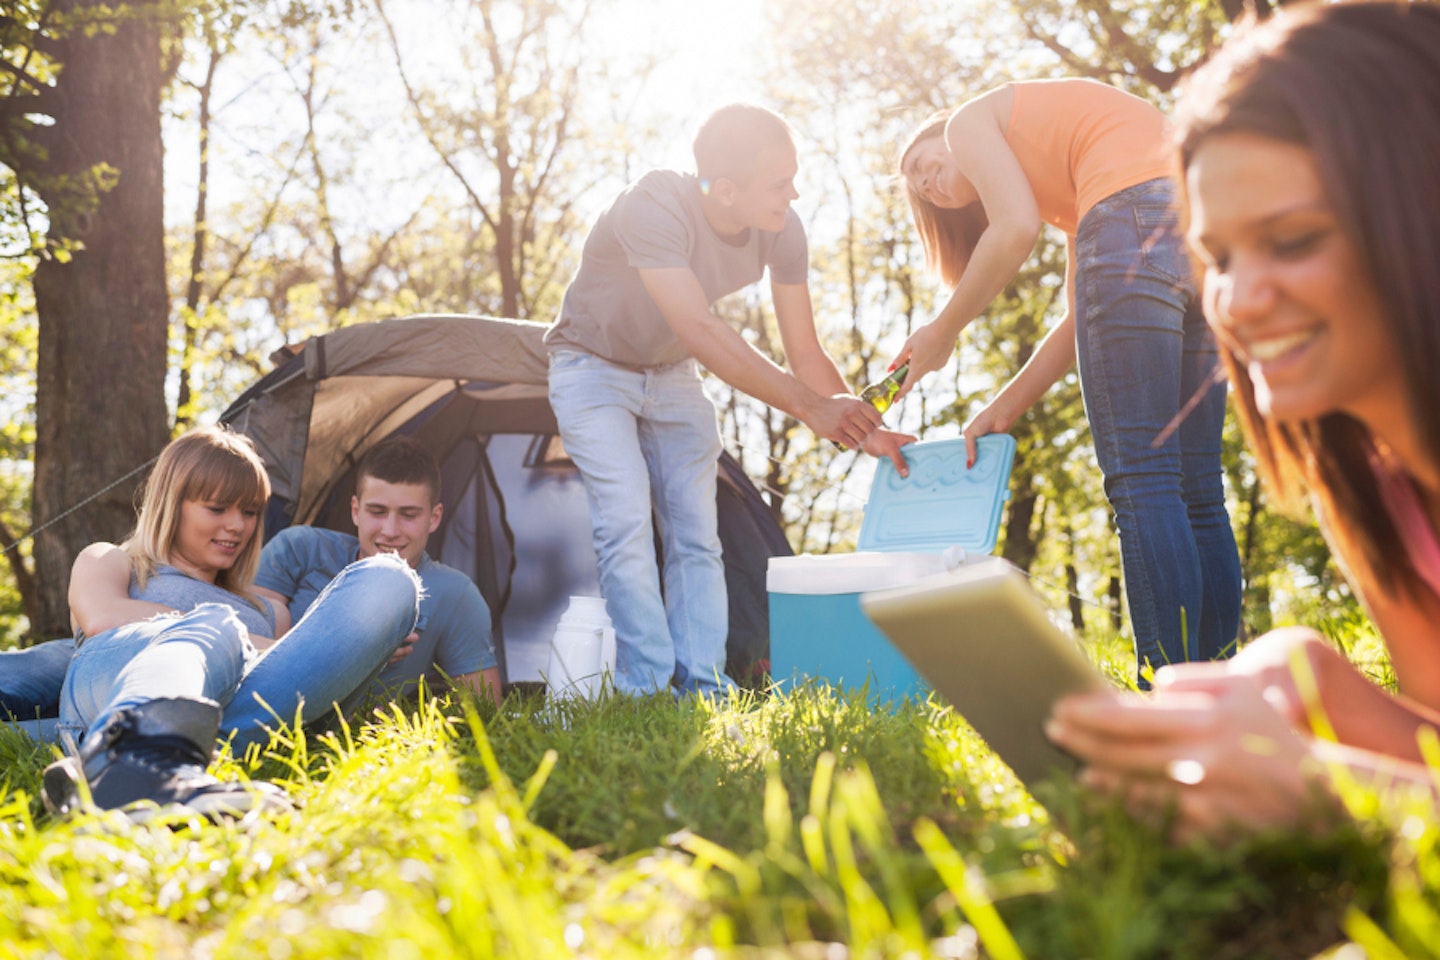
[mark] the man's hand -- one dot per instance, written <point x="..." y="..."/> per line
<point x="887" y="443"/>
<point x="843" y="419"/>
<point x="404" y="650"/>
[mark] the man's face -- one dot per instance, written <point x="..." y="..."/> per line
<point x="393" y="518"/>
<point x="763" y="199"/>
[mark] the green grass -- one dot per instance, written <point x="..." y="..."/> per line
<point x="805" y="825"/>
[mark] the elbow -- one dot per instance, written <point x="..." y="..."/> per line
<point x="89" y="626"/>
<point x="1017" y="235"/>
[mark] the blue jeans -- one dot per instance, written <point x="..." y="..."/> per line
<point x="30" y="682"/>
<point x="1144" y="351"/>
<point x="340" y="644"/>
<point x="647" y="440"/>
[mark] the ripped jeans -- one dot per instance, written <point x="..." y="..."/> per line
<point x="337" y="648"/>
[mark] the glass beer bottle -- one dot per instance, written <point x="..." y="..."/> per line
<point x="881" y="394"/>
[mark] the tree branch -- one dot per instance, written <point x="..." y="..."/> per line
<point x="377" y="260"/>
<point x="23" y="77"/>
<point x="1066" y="55"/>
<point x="1126" y="50"/>
<point x="24" y="579"/>
<point x="265" y="223"/>
<point x="425" y="126"/>
<point x="34" y="39"/>
<point x="21" y="105"/>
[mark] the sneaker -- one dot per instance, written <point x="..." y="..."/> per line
<point x="151" y="757"/>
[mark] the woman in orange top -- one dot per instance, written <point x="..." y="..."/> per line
<point x="1091" y="160"/>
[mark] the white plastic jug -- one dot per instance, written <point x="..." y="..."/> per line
<point x="582" y="652"/>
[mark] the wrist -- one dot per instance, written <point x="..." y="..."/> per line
<point x="805" y="404"/>
<point x="1002" y="414"/>
<point x="950" y="321"/>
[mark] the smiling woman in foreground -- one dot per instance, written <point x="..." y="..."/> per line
<point x="1310" y="150"/>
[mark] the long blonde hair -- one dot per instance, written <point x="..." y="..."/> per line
<point x="947" y="236"/>
<point x="211" y="464"/>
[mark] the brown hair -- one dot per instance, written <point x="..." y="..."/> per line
<point x="210" y="464"/>
<point x="732" y="138"/>
<point x="1358" y="86"/>
<point x="947" y="236"/>
<point x="401" y="459"/>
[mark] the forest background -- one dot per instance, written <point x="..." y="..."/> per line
<point x="187" y="185"/>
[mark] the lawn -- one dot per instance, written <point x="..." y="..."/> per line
<point x="809" y="824"/>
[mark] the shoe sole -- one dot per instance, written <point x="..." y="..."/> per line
<point x="61" y="786"/>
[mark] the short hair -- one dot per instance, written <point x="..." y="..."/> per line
<point x="730" y="141"/>
<point x="1358" y="86"/>
<point x="948" y="237"/>
<point x="401" y="460"/>
<point x="210" y="464"/>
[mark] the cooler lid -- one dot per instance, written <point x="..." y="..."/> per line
<point x="941" y="504"/>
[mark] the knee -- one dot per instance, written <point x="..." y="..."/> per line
<point x="621" y="521"/>
<point x="217" y="628"/>
<point x="387" y="573"/>
<point x="383" y="582"/>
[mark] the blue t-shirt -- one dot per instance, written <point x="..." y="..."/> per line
<point x="172" y="588"/>
<point x="655" y="223"/>
<point x="454" y="624"/>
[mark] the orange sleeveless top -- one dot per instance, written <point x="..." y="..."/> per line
<point x="1079" y="141"/>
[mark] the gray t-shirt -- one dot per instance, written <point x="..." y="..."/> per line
<point x="170" y="587"/>
<point x="657" y="222"/>
<point x="454" y="624"/>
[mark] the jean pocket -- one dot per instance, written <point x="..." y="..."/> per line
<point x="569" y="359"/>
<point x="1161" y="250"/>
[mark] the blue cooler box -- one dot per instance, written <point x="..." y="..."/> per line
<point x="924" y="525"/>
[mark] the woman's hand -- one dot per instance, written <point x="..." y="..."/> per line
<point x="927" y="350"/>
<point x="1217" y="753"/>
<point x="887" y="443"/>
<point x="992" y="418"/>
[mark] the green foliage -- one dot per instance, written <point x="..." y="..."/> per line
<point x="628" y="827"/>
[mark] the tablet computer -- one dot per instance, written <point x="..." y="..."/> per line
<point x="982" y="639"/>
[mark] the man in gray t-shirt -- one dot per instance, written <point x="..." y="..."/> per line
<point x="635" y="325"/>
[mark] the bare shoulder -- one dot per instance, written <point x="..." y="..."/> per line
<point x="102" y="556"/>
<point x="990" y="108"/>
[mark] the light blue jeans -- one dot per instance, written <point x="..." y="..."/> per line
<point x="646" y="443"/>
<point x="1144" y="351"/>
<point x="340" y="644"/>
<point x="30" y="682"/>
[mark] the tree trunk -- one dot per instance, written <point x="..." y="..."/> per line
<point x="100" y="402"/>
<point x="1072" y="593"/>
<point x="1020" y="543"/>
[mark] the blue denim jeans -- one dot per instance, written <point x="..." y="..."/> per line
<point x="340" y="644"/>
<point x="646" y="443"/>
<point x="1144" y="351"/>
<point x="30" y="682"/>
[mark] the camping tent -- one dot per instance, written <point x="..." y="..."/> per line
<point x="472" y="389"/>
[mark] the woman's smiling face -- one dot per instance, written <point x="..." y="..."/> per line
<point x="211" y="536"/>
<point x="931" y="171"/>
<point x="1285" y="289"/>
